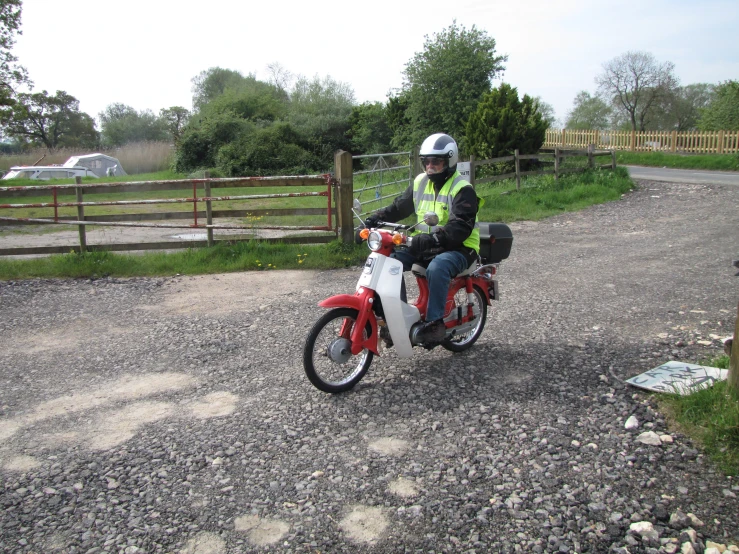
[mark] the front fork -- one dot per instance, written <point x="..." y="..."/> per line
<point x="362" y="301"/>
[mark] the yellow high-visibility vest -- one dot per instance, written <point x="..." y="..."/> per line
<point x="425" y="200"/>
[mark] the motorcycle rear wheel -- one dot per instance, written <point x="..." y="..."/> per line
<point x="459" y="343"/>
<point x="327" y="358"/>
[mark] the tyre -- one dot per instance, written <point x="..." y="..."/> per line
<point x="327" y="358"/>
<point x="458" y="343"/>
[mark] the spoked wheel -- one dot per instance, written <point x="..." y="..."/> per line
<point x="463" y="341"/>
<point x="327" y="357"/>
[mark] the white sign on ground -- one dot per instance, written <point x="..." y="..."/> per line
<point x="678" y="377"/>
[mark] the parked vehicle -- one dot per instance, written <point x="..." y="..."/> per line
<point x="45" y="172"/>
<point x="342" y="343"/>
<point x="88" y="165"/>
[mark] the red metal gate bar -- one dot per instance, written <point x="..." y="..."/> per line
<point x="169" y="226"/>
<point x="162" y="200"/>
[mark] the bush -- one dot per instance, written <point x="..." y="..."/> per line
<point x="273" y="150"/>
<point x="502" y="123"/>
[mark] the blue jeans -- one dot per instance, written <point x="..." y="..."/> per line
<point x="439" y="273"/>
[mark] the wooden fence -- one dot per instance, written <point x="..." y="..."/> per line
<point x="543" y="159"/>
<point x="689" y="142"/>
<point x="198" y="193"/>
<point x="338" y="193"/>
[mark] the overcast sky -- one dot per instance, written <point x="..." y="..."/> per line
<point x="144" y="53"/>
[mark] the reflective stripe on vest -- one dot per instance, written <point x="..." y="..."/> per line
<point x="425" y="201"/>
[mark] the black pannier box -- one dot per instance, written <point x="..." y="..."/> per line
<point x="496" y="240"/>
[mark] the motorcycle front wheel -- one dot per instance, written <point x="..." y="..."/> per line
<point x="327" y="358"/>
<point x="458" y="343"/>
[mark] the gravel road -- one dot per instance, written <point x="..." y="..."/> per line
<point x="173" y="415"/>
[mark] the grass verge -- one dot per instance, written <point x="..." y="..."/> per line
<point x="717" y="162"/>
<point x="222" y="258"/>
<point x="711" y="418"/>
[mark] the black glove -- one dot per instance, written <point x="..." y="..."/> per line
<point x="372" y="220"/>
<point x="422" y="244"/>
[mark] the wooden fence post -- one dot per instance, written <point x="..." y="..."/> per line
<point x="597" y="138"/>
<point x="591" y="160"/>
<point x="518" y="169"/>
<point x="674" y="141"/>
<point x="733" y="377"/>
<point x="556" y="163"/>
<point x="208" y="210"/>
<point x="81" y="215"/>
<point x="472" y="171"/>
<point x="633" y="140"/>
<point x="613" y="159"/>
<point x="345" y="197"/>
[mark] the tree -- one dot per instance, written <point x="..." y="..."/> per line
<point x="50" y="121"/>
<point x="369" y="130"/>
<point x="637" y="83"/>
<point x="11" y="74"/>
<point x="589" y="112"/>
<point x="279" y="76"/>
<point x="680" y="110"/>
<point x="445" y="82"/>
<point x="211" y="83"/>
<point x="503" y="123"/>
<point x="319" y="111"/>
<point x="547" y="111"/>
<point x="121" y="124"/>
<point x="722" y="113"/>
<point x="175" y="118"/>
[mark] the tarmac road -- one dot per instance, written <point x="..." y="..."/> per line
<point x="683" y="175"/>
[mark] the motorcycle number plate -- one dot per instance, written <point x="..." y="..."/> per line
<point x="369" y="266"/>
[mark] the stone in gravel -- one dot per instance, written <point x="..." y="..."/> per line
<point x="667" y="439"/>
<point x="687" y="548"/>
<point x="631" y="423"/>
<point x="649" y="437"/>
<point x="641" y="527"/>
<point x="678" y="520"/>
<point x="694" y="521"/>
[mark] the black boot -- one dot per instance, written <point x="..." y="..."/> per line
<point x="433" y="331"/>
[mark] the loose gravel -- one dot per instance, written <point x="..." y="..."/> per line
<point x="173" y="415"/>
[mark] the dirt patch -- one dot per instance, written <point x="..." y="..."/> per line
<point x="232" y="292"/>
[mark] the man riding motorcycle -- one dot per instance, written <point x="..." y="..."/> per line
<point x="441" y="189"/>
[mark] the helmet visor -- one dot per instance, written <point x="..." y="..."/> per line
<point x="433" y="164"/>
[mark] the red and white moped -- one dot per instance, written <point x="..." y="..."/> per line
<point x="341" y="345"/>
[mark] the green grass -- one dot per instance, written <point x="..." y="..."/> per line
<point x="711" y="417"/>
<point x="222" y="258"/>
<point x="719" y="162"/>
<point x="543" y="196"/>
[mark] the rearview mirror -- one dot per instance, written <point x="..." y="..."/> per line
<point x="357" y="204"/>
<point x="431" y="218"/>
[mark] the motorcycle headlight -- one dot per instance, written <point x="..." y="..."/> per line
<point x="374" y="241"/>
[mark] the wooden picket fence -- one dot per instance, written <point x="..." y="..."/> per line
<point x="687" y="142"/>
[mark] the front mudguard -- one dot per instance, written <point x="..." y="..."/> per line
<point x="361" y="301"/>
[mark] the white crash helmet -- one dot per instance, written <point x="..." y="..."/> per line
<point x="441" y="145"/>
